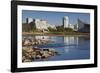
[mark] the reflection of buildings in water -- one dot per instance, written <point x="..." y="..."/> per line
<point x="85" y="39"/>
<point x="66" y="50"/>
<point x="71" y="40"/>
<point x="76" y="42"/>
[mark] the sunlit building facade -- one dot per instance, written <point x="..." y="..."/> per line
<point x="66" y="21"/>
<point x="39" y="23"/>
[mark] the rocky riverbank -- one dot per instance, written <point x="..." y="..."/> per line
<point x="30" y="42"/>
<point x="30" y="54"/>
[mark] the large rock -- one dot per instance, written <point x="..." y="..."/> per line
<point x="52" y="50"/>
<point x="27" y="42"/>
<point x="28" y="49"/>
<point x="29" y="53"/>
<point x="27" y="60"/>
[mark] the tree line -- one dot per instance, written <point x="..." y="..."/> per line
<point x="31" y="28"/>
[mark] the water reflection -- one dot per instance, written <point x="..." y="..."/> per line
<point x="70" y="47"/>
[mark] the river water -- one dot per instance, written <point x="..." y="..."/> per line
<point x="68" y="47"/>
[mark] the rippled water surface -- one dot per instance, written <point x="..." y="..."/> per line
<point x="69" y="47"/>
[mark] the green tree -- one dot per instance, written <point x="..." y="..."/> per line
<point x="60" y="28"/>
<point x="68" y="29"/>
<point x="51" y="29"/>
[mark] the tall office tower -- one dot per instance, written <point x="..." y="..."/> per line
<point x="66" y="22"/>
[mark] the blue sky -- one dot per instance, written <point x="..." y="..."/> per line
<point x="55" y="18"/>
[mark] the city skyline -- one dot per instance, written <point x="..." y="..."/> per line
<point x="55" y="18"/>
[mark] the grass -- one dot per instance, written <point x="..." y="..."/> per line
<point x="55" y="33"/>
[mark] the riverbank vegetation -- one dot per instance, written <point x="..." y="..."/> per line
<point x="31" y="28"/>
<point x="60" y="30"/>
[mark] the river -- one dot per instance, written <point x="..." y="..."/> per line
<point x="69" y="47"/>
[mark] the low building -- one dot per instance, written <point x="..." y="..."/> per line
<point x="76" y="27"/>
<point x="71" y="26"/>
<point x="52" y="26"/>
<point x="40" y="24"/>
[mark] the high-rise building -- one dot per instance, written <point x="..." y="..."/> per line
<point x="66" y="21"/>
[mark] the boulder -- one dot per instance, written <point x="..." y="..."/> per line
<point x="27" y="42"/>
<point x="51" y="49"/>
<point x="30" y="53"/>
<point x="45" y="54"/>
<point x="51" y="53"/>
<point x="23" y="58"/>
<point x="38" y="57"/>
<point x="27" y="60"/>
